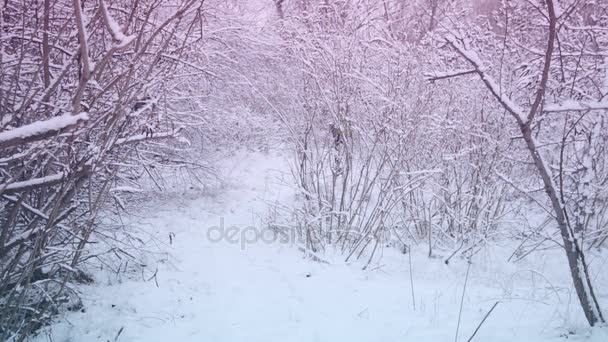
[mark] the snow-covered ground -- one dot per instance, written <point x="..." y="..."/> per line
<point x="206" y="290"/>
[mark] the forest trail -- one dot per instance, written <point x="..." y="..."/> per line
<point x="221" y="291"/>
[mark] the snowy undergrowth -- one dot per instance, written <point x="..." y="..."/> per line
<point x="194" y="289"/>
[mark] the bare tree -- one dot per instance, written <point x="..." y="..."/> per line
<point x="527" y="120"/>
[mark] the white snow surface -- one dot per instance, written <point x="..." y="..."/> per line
<point x="221" y="291"/>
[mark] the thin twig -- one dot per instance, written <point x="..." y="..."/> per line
<point x="483" y="320"/>
<point x="464" y="289"/>
<point x="411" y="277"/>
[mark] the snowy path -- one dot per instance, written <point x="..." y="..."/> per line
<point x="219" y="291"/>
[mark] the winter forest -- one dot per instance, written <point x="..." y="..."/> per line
<point x="303" y="170"/>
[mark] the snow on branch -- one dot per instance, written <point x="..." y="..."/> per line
<point x="572" y="105"/>
<point x="435" y="76"/>
<point x="16" y="156"/>
<point x="142" y="137"/>
<point x="40" y="129"/>
<point x="121" y="39"/>
<point x="83" y="38"/>
<point x="27" y="206"/>
<point x="147" y="105"/>
<point x="514" y="109"/>
<point x="179" y="60"/>
<point x="33" y="183"/>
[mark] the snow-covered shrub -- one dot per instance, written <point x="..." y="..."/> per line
<point x="378" y="150"/>
<point x="85" y="99"/>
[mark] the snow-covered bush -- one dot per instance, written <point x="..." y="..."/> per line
<point x="86" y="99"/>
<point x="378" y="149"/>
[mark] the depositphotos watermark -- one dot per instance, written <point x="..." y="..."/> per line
<point x="245" y="235"/>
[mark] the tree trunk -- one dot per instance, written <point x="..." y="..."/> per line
<point x="279" y="5"/>
<point x="574" y="252"/>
